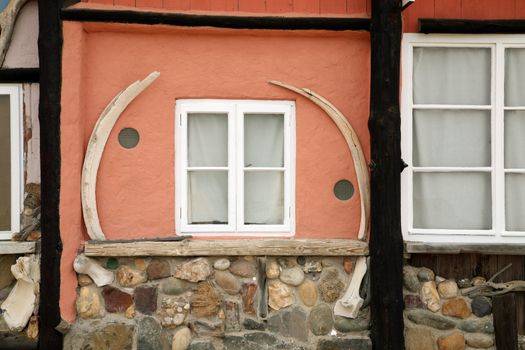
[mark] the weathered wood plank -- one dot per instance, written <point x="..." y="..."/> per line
<point x="11" y="247"/>
<point x="451" y="248"/>
<point x="258" y="247"/>
<point x="504" y="311"/>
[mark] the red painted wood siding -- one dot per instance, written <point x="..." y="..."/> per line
<point x="466" y="9"/>
<point x="357" y="8"/>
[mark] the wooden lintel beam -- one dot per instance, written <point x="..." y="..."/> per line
<point x="19" y="75"/>
<point x="237" y="247"/>
<point x="12" y="247"/>
<point x="458" y="248"/>
<point x="471" y="26"/>
<point x="232" y="22"/>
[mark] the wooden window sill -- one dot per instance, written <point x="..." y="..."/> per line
<point x="256" y="247"/>
<point x="14" y="247"/>
<point x="465" y="248"/>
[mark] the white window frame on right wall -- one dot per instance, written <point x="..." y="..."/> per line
<point x="497" y="234"/>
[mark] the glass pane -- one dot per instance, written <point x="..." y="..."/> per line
<point x="263" y="140"/>
<point x="207" y="139"/>
<point x="263" y="197"/>
<point x="208" y="197"/>
<point x="515" y="77"/>
<point x="452" y="201"/>
<point x="514" y="140"/>
<point x="451" y="138"/>
<point x="452" y="75"/>
<point x="514" y="209"/>
<point x="5" y="164"/>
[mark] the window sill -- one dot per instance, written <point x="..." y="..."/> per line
<point x="465" y="248"/>
<point x="13" y="247"/>
<point x="257" y="247"/>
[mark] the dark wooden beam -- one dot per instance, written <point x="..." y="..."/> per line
<point x="386" y="241"/>
<point x="471" y="26"/>
<point x="505" y="325"/>
<point x="19" y="75"/>
<point x="233" y="22"/>
<point x="50" y="55"/>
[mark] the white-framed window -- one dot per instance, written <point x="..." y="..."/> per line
<point x="11" y="158"/>
<point x="235" y="167"/>
<point x="463" y="138"/>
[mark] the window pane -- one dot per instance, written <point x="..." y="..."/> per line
<point x="263" y="140"/>
<point x="452" y="201"/>
<point x="263" y="197"/>
<point x="514" y="140"/>
<point x="514" y="194"/>
<point x="5" y="164"/>
<point x="515" y="77"/>
<point x="207" y="139"/>
<point x="208" y="197"/>
<point x="451" y="138"/>
<point x="452" y="75"/>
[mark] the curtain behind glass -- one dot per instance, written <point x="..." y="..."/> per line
<point x="5" y="164"/>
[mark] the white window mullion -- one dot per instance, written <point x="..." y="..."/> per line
<point x="498" y="154"/>
<point x="239" y="167"/>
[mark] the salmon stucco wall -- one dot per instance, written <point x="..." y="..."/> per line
<point x="136" y="194"/>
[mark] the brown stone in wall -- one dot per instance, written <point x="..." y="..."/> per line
<point x="419" y="339"/>
<point x="116" y="300"/>
<point x="205" y="301"/>
<point x="331" y="286"/>
<point x="158" y="269"/>
<point x="454" y="341"/>
<point x="145" y="298"/>
<point x="248" y="295"/>
<point x="128" y="277"/>
<point x="456" y="308"/>
<point x="231" y="311"/>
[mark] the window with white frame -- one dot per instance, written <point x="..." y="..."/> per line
<point x="10" y="160"/>
<point x="463" y="138"/>
<point x="235" y="167"/>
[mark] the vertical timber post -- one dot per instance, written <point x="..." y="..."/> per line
<point x="50" y="56"/>
<point x="386" y="241"/>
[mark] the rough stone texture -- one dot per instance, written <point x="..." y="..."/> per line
<point x="293" y="276"/>
<point x="243" y="267"/>
<point x="330" y="286"/>
<point x="425" y="275"/>
<point x="181" y="339"/>
<point x="130" y="312"/>
<point x="308" y="293"/>
<point x="321" y="319"/>
<point x="201" y="345"/>
<point x="208" y="328"/>
<point x="84" y="280"/>
<point x="410" y="279"/>
<point x="32" y="328"/>
<point x="205" y="301"/>
<point x="477" y="326"/>
<point x="228" y="282"/>
<point x="111" y="337"/>
<point x="347" y="325"/>
<point x="194" y="271"/>
<point x="481" y="306"/>
<point x="249" y="290"/>
<point x="312" y="265"/>
<point x="290" y="323"/>
<point x="145" y="298"/>
<point x="231" y="312"/>
<point x="112" y="263"/>
<point x="348" y="265"/>
<point x="448" y="289"/>
<point x="273" y="270"/>
<point x="426" y="318"/>
<point x="128" y="277"/>
<point x="419" y="339"/>
<point x="6" y="277"/>
<point x="454" y="341"/>
<point x="258" y="341"/>
<point x="221" y="264"/>
<point x="413" y="301"/>
<point x="89" y="303"/>
<point x="279" y="295"/>
<point x="456" y="307"/>
<point x="253" y="325"/>
<point x="158" y="269"/>
<point x="430" y="297"/>
<point x="464" y="283"/>
<point x="344" y="344"/>
<point x="174" y="286"/>
<point x="149" y="334"/>
<point x="479" y="340"/>
<point x="173" y="312"/>
<point x="115" y="299"/>
<point x="476" y="281"/>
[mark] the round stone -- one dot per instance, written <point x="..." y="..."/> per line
<point x="321" y="319"/>
<point x="228" y="282"/>
<point x="293" y="276"/>
<point x="448" y="289"/>
<point x="479" y="340"/>
<point x="112" y="264"/>
<point x="346" y="325"/>
<point x="174" y="286"/>
<point x="425" y="275"/>
<point x="273" y="270"/>
<point x="308" y="293"/>
<point x="464" y="283"/>
<point x="481" y="306"/>
<point x="221" y="264"/>
<point x="410" y="279"/>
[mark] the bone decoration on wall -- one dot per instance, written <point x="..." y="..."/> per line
<point x="95" y="149"/>
<point x="8" y="17"/>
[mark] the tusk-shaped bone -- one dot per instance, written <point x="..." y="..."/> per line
<point x="363" y="180"/>
<point x="19" y="305"/>
<point x="95" y="148"/>
<point x="351" y="302"/>
<point x="7" y="25"/>
<point x="90" y="267"/>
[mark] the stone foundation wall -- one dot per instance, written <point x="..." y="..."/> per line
<point x="244" y="303"/>
<point x="438" y="316"/>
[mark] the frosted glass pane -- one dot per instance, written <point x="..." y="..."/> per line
<point x="5" y="164"/>
<point x="514" y="139"/>
<point x="452" y="75"/>
<point x="451" y="138"/>
<point x="263" y="197"/>
<point x="207" y="139"/>
<point x="208" y="197"/>
<point x="514" y="208"/>
<point x="263" y="140"/>
<point x="515" y="77"/>
<point x="452" y="201"/>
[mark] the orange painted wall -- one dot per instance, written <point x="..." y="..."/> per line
<point x="136" y="187"/>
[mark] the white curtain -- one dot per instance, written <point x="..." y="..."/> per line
<point x="5" y="164"/>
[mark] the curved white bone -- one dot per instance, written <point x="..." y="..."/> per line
<point x="90" y="267"/>
<point x="95" y="148"/>
<point x="7" y="25"/>
<point x="351" y="302"/>
<point x="363" y="179"/>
